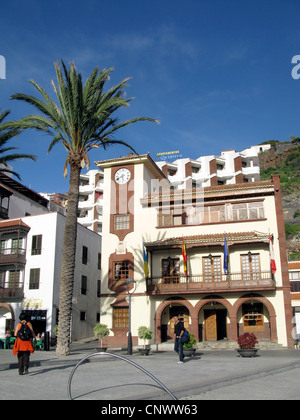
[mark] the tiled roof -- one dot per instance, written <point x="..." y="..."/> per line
<point x="12" y="222"/>
<point x="217" y="239"/>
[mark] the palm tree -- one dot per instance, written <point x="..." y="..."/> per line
<point x="6" y="134"/>
<point x="84" y="119"/>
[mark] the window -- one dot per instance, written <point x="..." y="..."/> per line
<point x="99" y="261"/>
<point x="294" y="275"/>
<point x="211" y="214"/>
<point x="253" y="317"/>
<point x="82" y="316"/>
<point x="295" y="281"/>
<point x="295" y="286"/>
<point x="16" y="245"/>
<point x="83" y="285"/>
<point x="34" y="278"/>
<point x="121" y="221"/>
<point x="2" y="279"/>
<point x="250" y="267"/>
<point x="84" y="255"/>
<point x="36" y="246"/>
<point x="212" y="269"/>
<point x="121" y="270"/>
<point x="98" y="288"/>
<point x="14" y="278"/>
<point x="120" y="317"/>
<point x="171" y="270"/>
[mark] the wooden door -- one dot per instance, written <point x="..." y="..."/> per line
<point x="210" y="318"/>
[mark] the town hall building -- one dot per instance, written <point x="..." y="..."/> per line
<point x="203" y="254"/>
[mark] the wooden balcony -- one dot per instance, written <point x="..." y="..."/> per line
<point x="12" y="256"/>
<point x="12" y="292"/>
<point x="232" y="282"/>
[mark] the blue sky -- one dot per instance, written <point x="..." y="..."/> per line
<point x="215" y="73"/>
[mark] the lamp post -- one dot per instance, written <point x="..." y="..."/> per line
<point x="129" y="346"/>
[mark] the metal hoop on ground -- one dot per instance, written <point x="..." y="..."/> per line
<point x="125" y="360"/>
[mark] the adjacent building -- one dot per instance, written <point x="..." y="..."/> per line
<point x="30" y="266"/>
<point x="230" y="167"/>
<point x="31" y="240"/>
<point x="294" y="273"/>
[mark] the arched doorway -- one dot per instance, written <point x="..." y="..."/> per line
<point x="7" y="318"/>
<point x="256" y="314"/>
<point x="214" y="322"/>
<point x="164" y="318"/>
<point x="214" y="319"/>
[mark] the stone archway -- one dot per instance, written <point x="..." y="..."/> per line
<point x="7" y="308"/>
<point x="232" y="327"/>
<point x="159" y="311"/>
<point x="267" y="304"/>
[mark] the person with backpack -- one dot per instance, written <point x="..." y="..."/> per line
<point x="178" y="332"/>
<point x="23" y="345"/>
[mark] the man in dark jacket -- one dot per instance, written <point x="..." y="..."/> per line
<point x="178" y="331"/>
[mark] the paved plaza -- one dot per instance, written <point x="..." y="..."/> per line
<point x="209" y="375"/>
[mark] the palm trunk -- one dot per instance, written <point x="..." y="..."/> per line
<point x="68" y="265"/>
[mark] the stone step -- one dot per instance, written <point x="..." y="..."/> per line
<point x="219" y="345"/>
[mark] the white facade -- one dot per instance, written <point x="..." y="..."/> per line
<point x="91" y="200"/>
<point x="16" y="200"/>
<point x="40" y="277"/>
<point x="228" y="168"/>
<point x="294" y="273"/>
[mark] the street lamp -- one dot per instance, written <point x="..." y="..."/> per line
<point x="129" y="346"/>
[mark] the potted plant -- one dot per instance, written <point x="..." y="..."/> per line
<point x="101" y="331"/>
<point x="144" y="333"/>
<point x="247" y="343"/>
<point x="188" y="348"/>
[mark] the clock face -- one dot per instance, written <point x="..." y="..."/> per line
<point x="122" y="176"/>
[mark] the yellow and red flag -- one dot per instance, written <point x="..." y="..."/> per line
<point x="184" y="257"/>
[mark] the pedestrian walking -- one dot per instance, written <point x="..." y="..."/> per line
<point x="23" y="345"/>
<point x="178" y="332"/>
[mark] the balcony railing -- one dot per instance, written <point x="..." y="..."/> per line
<point x="11" y="291"/>
<point x="12" y="256"/>
<point x="199" y="283"/>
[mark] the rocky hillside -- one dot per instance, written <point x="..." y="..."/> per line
<point x="284" y="158"/>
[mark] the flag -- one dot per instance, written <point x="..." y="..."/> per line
<point x="146" y="268"/>
<point x="225" y="256"/>
<point x="184" y="257"/>
<point x="272" y="255"/>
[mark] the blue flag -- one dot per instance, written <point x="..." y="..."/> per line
<point x="225" y="256"/>
<point x="146" y="267"/>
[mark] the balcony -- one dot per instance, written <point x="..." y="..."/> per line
<point x="11" y="292"/>
<point x="12" y="256"/>
<point x="233" y="282"/>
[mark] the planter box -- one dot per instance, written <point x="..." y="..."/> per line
<point x="247" y="352"/>
<point x="189" y="352"/>
<point x="101" y="349"/>
<point x="145" y="351"/>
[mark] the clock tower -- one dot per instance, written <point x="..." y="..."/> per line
<point x="126" y="179"/>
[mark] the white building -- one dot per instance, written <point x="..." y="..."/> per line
<point x="294" y="273"/>
<point x="16" y="200"/>
<point x="30" y="265"/>
<point x="91" y="200"/>
<point x="230" y="167"/>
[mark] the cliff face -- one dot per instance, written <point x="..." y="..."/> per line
<point x="284" y="158"/>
